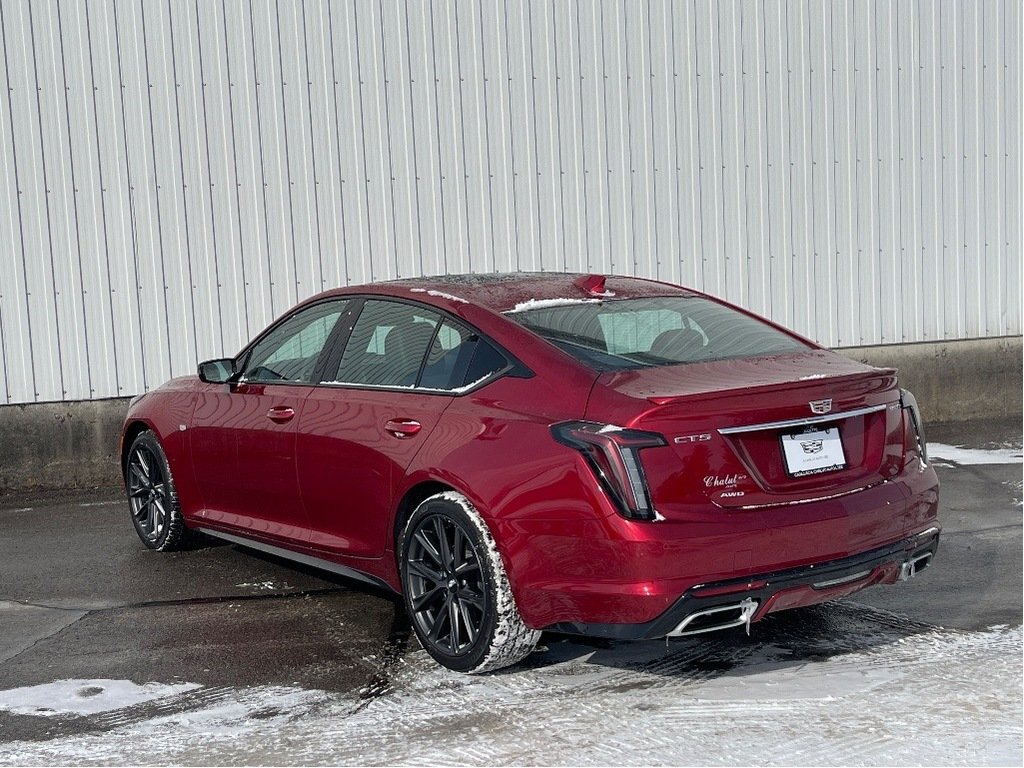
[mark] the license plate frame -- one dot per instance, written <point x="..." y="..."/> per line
<point x="813" y="451"/>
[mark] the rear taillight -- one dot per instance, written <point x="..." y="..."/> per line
<point x="613" y="454"/>
<point x="913" y="426"/>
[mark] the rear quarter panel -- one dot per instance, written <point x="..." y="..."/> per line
<point x="495" y="447"/>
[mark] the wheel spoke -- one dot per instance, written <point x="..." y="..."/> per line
<point x="428" y="546"/>
<point x="439" y="620"/>
<point x="142" y="511"/>
<point x="472" y="598"/>
<point x="468" y="567"/>
<point x="161" y="516"/>
<point x="142" y="466"/>
<point x="151" y="519"/>
<point x="421" y="569"/>
<point x="419" y="602"/>
<point x="467" y="621"/>
<point x="443" y="543"/>
<point x="140" y="475"/>
<point x="453" y="620"/>
<point x="458" y="546"/>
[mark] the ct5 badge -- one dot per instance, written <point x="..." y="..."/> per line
<point x="701" y="438"/>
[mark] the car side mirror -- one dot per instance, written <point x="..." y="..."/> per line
<point x="217" y="371"/>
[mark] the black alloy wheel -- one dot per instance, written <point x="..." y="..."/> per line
<point x="456" y="589"/>
<point x="152" y="497"/>
<point x="445" y="585"/>
<point x="147" y="493"/>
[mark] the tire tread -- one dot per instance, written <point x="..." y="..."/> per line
<point x="512" y="640"/>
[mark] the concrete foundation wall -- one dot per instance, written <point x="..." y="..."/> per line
<point x="74" y="445"/>
<point x="956" y="380"/>
<point x="60" y="445"/>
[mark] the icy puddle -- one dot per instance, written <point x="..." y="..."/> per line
<point x="955" y="454"/>
<point x="879" y="690"/>
<point x="85" y="697"/>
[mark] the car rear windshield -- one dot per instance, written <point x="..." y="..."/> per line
<point x="645" y="332"/>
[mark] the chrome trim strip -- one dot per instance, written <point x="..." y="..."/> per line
<point x="794" y="502"/>
<point x="298" y="557"/>
<point x="842" y="580"/>
<point x="802" y="422"/>
<point x="927" y="532"/>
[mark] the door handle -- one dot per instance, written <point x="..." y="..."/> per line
<point x="281" y="413"/>
<point x="402" y="428"/>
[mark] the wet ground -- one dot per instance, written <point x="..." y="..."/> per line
<point x="110" y="653"/>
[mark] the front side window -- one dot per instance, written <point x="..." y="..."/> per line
<point x="667" y="330"/>
<point x="290" y="351"/>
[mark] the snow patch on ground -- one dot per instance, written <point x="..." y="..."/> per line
<point x="781" y="681"/>
<point x="940" y="452"/>
<point x="264" y="586"/>
<point x="84" y="697"/>
<point x="910" y="695"/>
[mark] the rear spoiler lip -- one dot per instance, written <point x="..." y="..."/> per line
<point x="781" y="386"/>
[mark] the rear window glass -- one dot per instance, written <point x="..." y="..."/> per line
<point x="636" y="333"/>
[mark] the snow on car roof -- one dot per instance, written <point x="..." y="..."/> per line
<point x="545" y="303"/>
<point x="505" y="292"/>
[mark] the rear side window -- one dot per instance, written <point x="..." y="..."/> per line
<point x="387" y="345"/>
<point x="459" y="359"/>
<point x="394" y="344"/>
<point x="634" y="333"/>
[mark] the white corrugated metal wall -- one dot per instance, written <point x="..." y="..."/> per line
<point x="178" y="172"/>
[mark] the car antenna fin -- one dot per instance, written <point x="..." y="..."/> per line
<point x="593" y="285"/>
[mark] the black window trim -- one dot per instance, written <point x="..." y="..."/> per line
<point x="513" y="366"/>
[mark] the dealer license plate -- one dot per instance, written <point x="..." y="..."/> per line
<point x="813" y="452"/>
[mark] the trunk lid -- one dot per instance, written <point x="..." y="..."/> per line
<point x="726" y="424"/>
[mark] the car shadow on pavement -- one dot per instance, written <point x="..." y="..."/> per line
<point x="794" y="637"/>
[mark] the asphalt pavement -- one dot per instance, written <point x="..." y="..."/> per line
<point x="81" y="599"/>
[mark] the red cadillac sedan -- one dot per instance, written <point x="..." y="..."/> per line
<point x="613" y="457"/>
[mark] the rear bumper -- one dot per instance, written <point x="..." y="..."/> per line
<point x="613" y="571"/>
<point x="717" y="605"/>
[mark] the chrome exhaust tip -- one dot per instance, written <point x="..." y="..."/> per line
<point x="915" y="565"/>
<point x="719" y="617"/>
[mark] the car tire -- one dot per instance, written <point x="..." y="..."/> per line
<point x="152" y="496"/>
<point x="456" y="589"/>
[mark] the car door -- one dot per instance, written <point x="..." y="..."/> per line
<point x="363" y="425"/>
<point x="243" y="433"/>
